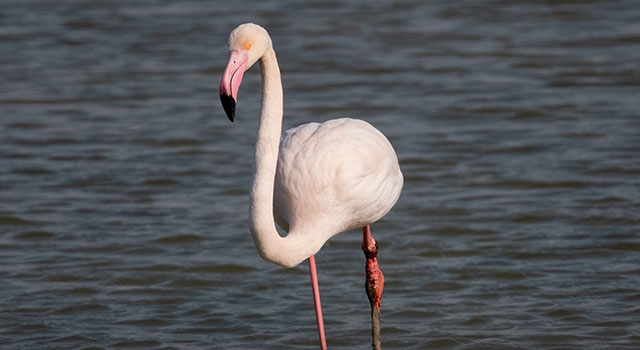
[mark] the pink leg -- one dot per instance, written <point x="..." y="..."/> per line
<point x="316" y="301"/>
<point x="374" y="283"/>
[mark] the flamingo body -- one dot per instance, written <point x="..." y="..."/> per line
<point x="333" y="177"/>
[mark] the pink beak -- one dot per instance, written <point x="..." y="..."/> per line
<point x="231" y="81"/>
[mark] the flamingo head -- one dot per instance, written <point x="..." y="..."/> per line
<point x="247" y="44"/>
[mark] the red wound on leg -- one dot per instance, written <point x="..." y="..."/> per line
<point x="375" y="279"/>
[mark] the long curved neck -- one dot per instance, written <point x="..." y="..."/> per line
<point x="284" y="251"/>
<point x="267" y="143"/>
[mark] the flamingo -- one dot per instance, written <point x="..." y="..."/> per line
<point x="316" y="181"/>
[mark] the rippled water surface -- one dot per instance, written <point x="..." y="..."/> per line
<point x="123" y="188"/>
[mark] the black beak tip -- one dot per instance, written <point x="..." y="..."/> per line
<point x="229" y="105"/>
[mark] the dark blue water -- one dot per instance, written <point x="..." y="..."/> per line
<point x="123" y="187"/>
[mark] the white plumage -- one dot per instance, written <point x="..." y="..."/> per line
<point x="333" y="177"/>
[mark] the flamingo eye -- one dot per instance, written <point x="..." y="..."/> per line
<point x="247" y="45"/>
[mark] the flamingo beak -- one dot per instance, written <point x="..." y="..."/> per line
<point x="231" y="80"/>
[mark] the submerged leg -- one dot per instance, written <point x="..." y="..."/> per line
<point x="374" y="283"/>
<point x="316" y="301"/>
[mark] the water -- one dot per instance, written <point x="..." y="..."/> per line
<point x="123" y="188"/>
